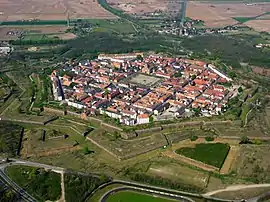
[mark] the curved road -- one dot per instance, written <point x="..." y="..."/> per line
<point x="146" y="191"/>
<point x="127" y="185"/>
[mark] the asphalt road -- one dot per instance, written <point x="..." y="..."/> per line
<point x="24" y="195"/>
<point x="146" y="191"/>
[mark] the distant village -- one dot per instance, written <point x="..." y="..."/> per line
<point x="137" y="89"/>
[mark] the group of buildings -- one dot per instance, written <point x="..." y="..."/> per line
<point x="134" y="89"/>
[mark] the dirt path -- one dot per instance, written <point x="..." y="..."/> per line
<point x="230" y="159"/>
<point x="62" y="199"/>
<point x="236" y="187"/>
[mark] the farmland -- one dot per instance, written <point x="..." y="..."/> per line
<point x="43" y="185"/>
<point x="212" y="154"/>
<point x="223" y="14"/>
<point x="52" y="10"/>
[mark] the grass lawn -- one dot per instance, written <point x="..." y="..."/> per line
<point x="41" y="184"/>
<point x="130" y="196"/>
<point x="212" y="154"/>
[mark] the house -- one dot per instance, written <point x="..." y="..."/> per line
<point x="143" y="119"/>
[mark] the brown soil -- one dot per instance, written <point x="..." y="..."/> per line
<point x="231" y="157"/>
<point x="12" y="10"/>
<point x="261" y="71"/>
<point x="221" y="14"/>
<point x="259" y="25"/>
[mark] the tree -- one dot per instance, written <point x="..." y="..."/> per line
<point x="245" y="140"/>
<point x="193" y="77"/>
<point x="86" y="150"/>
<point x="139" y="57"/>
<point x="240" y="89"/>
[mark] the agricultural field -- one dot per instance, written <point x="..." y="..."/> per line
<point x="77" y="187"/>
<point x="52" y="10"/>
<point x="222" y="14"/>
<point x="41" y="184"/>
<point x="148" y="9"/>
<point x="115" y="25"/>
<point x="211" y="154"/>
<point x="135" y="197"/>
<point x="9" y="139"/>
<point x="252" y="163"/>
<point x="259" y="25"/>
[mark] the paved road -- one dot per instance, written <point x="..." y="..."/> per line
<point x="147" y="191"/>
<point x="24" y="195"/>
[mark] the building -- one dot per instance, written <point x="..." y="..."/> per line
<point x="143" y="119"/>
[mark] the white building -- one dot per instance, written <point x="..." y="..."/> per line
<point x="143" y="119"/>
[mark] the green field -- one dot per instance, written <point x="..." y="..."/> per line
<point x="41" y="184"/>
<point x="130" y="196"/>
<point x="212" y="154"/>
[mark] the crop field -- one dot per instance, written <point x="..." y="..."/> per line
<point x="253" y="163"/>
<point x="119" y="26"/>
<point x="41" y="184"/>
<point x="124" y="149"/>
<point x="211" y="154"/>
<point x="131" y="196"/>
<point x="35" y="32"/>
<point x="177" y="172"/>
<point x="259" y="25"/>
<point x="221" y="14"/>
<point x="52" y="10"/>
<point x="9" y="138"/>
<point x="149" y="9"/>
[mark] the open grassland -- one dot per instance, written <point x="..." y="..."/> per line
<point x="9" y="139"/>
<point x="135" y="197"/>
<point x="241" y="194"/>
<point x="178" y="172"/>
<point x="212" y="154"/>
<point x="48" y="141"/>
<point x="222" y="14"/>
<point x="43" y="185"/>
<point x="77" y="187"/>
<point x="253" y="163"/>
<point x="124" y="149"/>
<point x="52" y="10"/>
